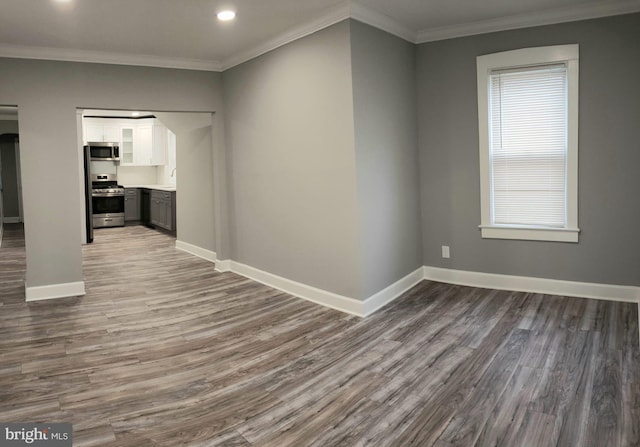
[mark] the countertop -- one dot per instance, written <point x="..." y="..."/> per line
<point x="158" y="187"/>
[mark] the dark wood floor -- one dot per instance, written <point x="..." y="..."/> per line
<point x="164" y="351"/>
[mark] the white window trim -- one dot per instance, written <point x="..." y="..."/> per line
<point x="523" y="58"/>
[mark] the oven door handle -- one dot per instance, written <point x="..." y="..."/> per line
<point x="107" y="194"/>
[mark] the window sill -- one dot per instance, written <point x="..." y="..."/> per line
<point x="530" y="233"/>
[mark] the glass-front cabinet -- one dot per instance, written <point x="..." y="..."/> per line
<point x="126" y="145"/>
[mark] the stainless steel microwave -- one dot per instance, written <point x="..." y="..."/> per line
<point x="104" y="151"/>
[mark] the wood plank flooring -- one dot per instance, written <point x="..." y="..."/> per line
<point x="164" y="351"/>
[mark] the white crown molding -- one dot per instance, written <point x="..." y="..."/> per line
<point x="345" y="10"/>
<point x="559" y="15"/>
<point x="333" y="16"/>
<point x="101" y="57"/>
<point x="381" y="21"/>
<point x="610" y="292"/>
<point x="54" y="291"/>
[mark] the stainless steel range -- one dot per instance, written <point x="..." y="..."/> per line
<point x="107" y="198"/>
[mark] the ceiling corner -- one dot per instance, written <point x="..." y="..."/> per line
<point x="331" y="17"/>
<point x="381" y="21"/>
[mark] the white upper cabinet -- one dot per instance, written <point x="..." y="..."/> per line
<point x="101" y="131"/>
<point x="111" y="133"/>
<point x="160" y="144"/>
<point x="143" y="142"/>
<point x="92" y="132"/>
<point x="143" y="145"/>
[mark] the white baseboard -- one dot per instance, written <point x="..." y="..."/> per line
<point x="329" y="299"/>
<point x="54" y="291"/>
<point x="223" y="265"/>
<point x="535" y="285"/>
<point x="390" y="293"/>
<point x="12" y="220"/>
<point x="309" y="293"/>
<point x="378" y="300"/>
<point x="208" y="255"/>
<point x="196" y="251"/>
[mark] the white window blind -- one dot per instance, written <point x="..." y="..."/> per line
<point x="528" y="146"/>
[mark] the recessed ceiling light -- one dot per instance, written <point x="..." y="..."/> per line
<point x="226" y="15"/>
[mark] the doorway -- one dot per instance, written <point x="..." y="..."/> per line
<point x="140" y="158"/>
<point x="10" y="178"/>
<point x="189" y="146"/>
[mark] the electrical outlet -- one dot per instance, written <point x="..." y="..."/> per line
<point x="445" y="251"/>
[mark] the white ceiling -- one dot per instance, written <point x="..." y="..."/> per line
<point x="186" y="34"/>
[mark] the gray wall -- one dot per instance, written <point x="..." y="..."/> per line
<point x="289" y="138"/>
<point x="609" y="155"/>
<point x="47" y="94"/>
<point x="318" y="148"/>
<point x="384" y="86"/>
<point x="194" y="196"/>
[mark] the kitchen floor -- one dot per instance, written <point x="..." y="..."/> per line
<point x="164" y="351"/>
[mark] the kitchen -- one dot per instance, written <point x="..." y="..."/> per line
<point x="130" y="170"/>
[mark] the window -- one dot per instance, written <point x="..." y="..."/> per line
<point x="528" y="128"/>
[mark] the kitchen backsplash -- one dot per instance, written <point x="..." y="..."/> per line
<point x="138" y="175"/>
<point x="103" y="167"/>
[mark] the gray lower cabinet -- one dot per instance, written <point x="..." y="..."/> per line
<point x="162" y="209"/>
<point x="132" y="204"/>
